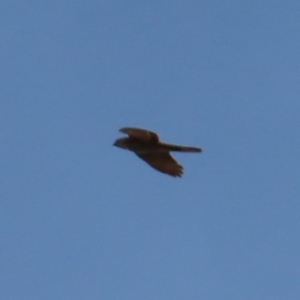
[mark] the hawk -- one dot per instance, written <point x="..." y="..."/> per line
<point x="147" y="146"/>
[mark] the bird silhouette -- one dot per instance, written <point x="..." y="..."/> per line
<point x="147" y="146"/>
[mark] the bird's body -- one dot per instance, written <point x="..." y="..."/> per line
<point x="146" y="145"/>
<point x="140" y="146"/>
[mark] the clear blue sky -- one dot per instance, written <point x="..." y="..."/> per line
<point x="81" y="219"/>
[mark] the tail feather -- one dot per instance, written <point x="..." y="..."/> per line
<point x="171" y="147"/>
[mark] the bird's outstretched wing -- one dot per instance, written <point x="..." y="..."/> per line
<point x="162" y="162"/>
<point x="141" y="134"/>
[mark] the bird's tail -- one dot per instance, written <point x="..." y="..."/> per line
<point x="171" y="147"/>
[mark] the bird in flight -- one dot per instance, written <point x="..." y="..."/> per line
<point x="147" y="146"/>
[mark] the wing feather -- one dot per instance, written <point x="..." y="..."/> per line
<point x="141" y="134"/>
<point x="162" y="162"/>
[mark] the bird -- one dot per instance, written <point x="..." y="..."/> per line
<point x="147" y="146"/>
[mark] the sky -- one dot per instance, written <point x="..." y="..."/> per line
<point x="81" y="219"/>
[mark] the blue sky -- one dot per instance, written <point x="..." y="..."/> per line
<point x="81" y="219"/>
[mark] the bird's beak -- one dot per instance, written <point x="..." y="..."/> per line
<point x="116" y="143"/>
<point x="120" y="143"/>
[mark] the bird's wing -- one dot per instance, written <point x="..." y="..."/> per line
<point x="163" y="162"/>
<point x="141" y="134"/>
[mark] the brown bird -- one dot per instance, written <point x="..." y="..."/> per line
<point x="147" y="146"/>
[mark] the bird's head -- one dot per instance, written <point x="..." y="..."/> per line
<point x="122" y="143"/>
